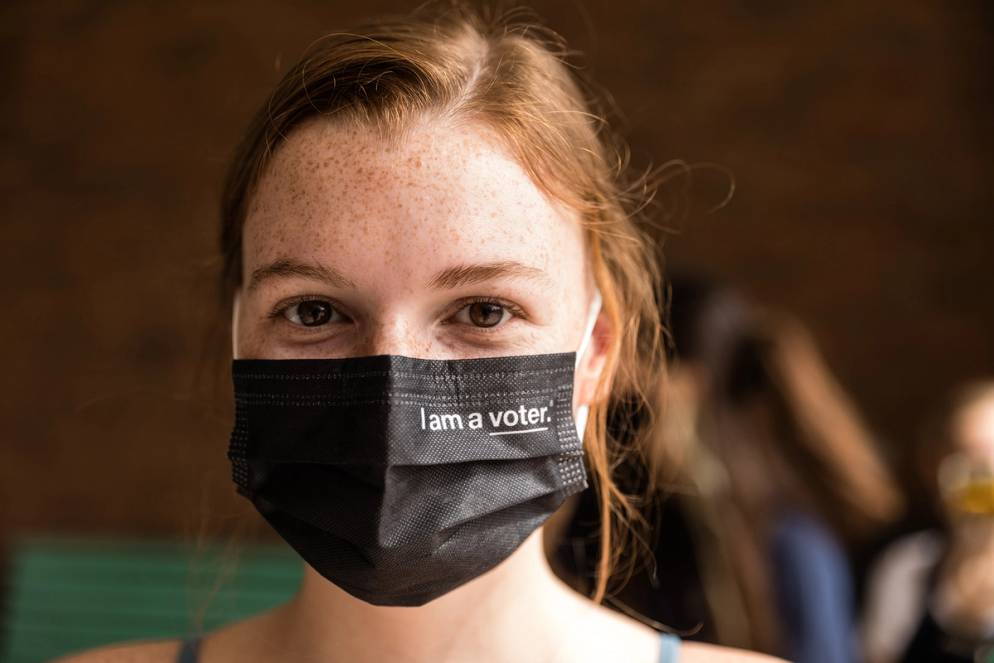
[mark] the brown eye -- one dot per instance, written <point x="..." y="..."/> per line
<point x="309" y="313"/>
<point x="485" y="314"/>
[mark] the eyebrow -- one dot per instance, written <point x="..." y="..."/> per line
<point x="286" y="268"/>
<point x="461" y="275"/>
<point x="451" y="277"/>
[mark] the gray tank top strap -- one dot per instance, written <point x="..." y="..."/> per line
<point x="669" y="648"/>
<point x="189" y="651"/>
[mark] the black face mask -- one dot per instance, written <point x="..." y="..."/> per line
<point x="400" y="479"/>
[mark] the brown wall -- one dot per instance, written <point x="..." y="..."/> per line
<point x="858" y="132"/>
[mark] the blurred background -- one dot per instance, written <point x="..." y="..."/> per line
<point x="859" y="136"/>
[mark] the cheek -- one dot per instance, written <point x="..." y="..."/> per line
<point x="246" y="342"/>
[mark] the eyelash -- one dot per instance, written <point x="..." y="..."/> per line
<point x="516" y="311"/>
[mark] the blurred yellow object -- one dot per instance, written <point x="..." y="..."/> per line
<point x="967" y="483"/>
<point x="976" y="497"/>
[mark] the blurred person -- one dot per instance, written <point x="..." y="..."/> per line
<point x="433" y="275"/>
<point x="787" y="472"/>
<point x="772" y="474"/>
<point x="931" y="592"/>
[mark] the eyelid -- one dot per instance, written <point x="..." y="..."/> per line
<point x="510" y="306"/>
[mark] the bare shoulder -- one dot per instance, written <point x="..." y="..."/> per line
<point x="140" y="651"/>
<point x="699" y="652"/>
<point x="606" y="635"/>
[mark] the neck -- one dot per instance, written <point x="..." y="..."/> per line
<point x="509" y="607"/>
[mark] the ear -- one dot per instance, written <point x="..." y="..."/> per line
<point x="595" y="359"/>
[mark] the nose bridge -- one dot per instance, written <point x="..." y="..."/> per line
<point x="396" y="334"/>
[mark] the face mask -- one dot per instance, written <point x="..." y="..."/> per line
<point x="400" y="479"/>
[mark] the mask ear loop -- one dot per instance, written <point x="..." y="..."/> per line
<point x="234" y="326"/>
<point x="595" y="308"/>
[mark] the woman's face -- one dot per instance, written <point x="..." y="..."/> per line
<point x="439" y="246"/>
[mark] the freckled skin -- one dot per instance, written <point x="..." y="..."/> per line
<point x="388" y="217"/>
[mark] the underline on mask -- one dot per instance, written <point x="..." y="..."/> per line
<point x="516" y="432"/>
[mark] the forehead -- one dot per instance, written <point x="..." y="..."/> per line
<point x="394" y="211"/>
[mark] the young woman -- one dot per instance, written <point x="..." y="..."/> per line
<point x="433" y="272"/>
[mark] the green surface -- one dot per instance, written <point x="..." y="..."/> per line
<point x="66" y="594"/>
